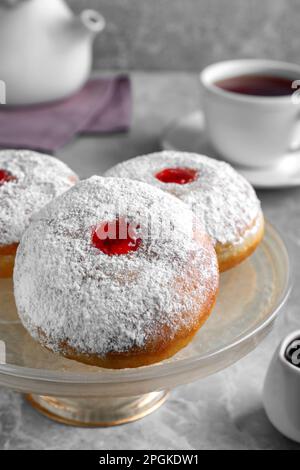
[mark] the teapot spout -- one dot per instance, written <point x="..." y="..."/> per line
<point x="91" y="22"/>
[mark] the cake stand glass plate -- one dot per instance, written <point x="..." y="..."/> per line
<point x="249" y="300"/>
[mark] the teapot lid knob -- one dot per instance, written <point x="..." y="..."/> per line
<point x="93" y="20"/>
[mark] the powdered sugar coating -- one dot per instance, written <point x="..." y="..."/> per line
<point x="74" y="293"/>
<point x="220" y="197"/>
<point x="39" y="179"/>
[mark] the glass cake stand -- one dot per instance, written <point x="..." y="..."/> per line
<point x="250" y="298"/>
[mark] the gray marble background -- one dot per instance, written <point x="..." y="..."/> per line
<point x="189" y="34"/>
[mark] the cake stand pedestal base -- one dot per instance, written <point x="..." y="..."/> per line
<point x="97" y="412"/>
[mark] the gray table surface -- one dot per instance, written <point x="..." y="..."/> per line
<point x="223" y="411"/>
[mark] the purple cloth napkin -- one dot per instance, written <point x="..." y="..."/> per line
<point x="102" y="106"/>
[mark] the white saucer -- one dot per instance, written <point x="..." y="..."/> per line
<point x="188" y="134"/>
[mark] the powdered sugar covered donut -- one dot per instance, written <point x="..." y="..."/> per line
<point x="28" y="181"/>
<point x="112" y="273"/>
<point x="219" y="196"/>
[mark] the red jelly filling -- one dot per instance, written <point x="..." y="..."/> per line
<point x="116" y="238"/>
<point x="177" y="175"/>
<point x="6" y="177"/>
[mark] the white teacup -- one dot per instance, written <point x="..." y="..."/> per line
<point x="253" y="131"/>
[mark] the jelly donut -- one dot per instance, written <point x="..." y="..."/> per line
<point x="219" y="196"/>
<point x="28" y="181"/>
<point x="115" y="273"/>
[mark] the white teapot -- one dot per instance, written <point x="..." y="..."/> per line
<point x="45" y="50"/>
